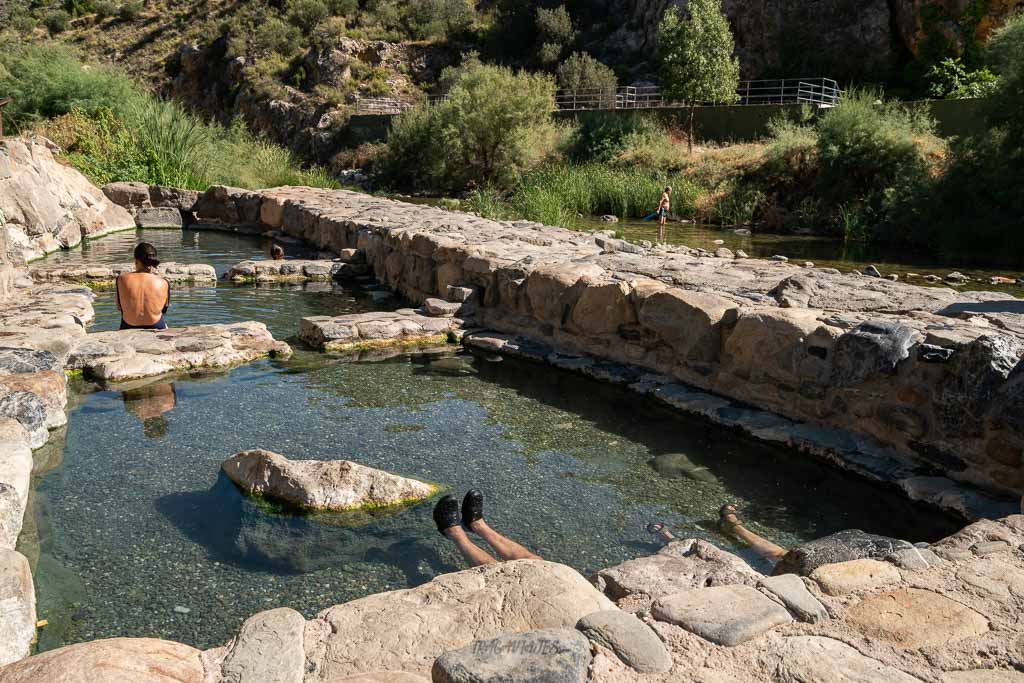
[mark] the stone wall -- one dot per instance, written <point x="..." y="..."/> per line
<point x="934" y="373"/>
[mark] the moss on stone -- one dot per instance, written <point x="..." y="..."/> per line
<point x="368" y="345"/>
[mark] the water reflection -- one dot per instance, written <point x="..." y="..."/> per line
<point x="150" y="403"/>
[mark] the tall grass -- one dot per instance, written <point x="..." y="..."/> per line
<point x="112" y="130"/>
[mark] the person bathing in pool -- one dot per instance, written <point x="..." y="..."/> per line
<point x="454" y="521"/>
<point x="729" y="522"/>
<point x="143" y="296"/>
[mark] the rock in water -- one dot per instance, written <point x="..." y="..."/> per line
<point x="678" y="465"/>
<point x="550" y="655"/>
<point x="319" y="484"/>
<point x="852" y="544"/>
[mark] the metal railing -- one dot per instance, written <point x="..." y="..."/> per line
<point x="820" y="92"/>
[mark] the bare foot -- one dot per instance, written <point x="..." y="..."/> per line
<point x="661" y="532"/>
<point x="728" y="520"/>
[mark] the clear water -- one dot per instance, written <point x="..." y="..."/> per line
<point x="137" y="534"/>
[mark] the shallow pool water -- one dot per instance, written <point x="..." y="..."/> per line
<point x="134" y="532"/>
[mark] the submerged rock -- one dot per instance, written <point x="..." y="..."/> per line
<point x="852" y="544"/>
<point x="321" y="485"/>
<point x="678" y="466"/>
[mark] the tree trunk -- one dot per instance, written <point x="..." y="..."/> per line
<point x="689" y="138"/>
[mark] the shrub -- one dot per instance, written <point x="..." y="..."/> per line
<point x="555" y="32"/>
<point x="875" y="155"/>
<point x="582" y="72"/>
<point x="78" y="8"/>
<point x="436" y="19"/>
<point x="604" y="136"/>
<point x="56" y="21"/>
<point x="950" y="79"/>
<point x="129" y="10"/>
<point x="105" y="9"/>
<point x="343" y="8"/>
<point x="307" y="14"/>
<point x="416" y="155"/>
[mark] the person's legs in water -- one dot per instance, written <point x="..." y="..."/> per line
<point x="730" y="523"/>
<point x="473" y="517"/>
<point x="446" y="517"/>
<point x="661" y="532"/>
<point x="662" y="216"/>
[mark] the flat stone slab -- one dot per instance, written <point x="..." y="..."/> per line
<point x="115" y="660"/>
<point x="362" y="331"/>
<point x="102" y="276"/>
<point x="816" y="658"/>
<point x="790" y="589"/>
<point x="321" y="484"/>
<point x="855" y="576"/>
<point x="46" y="318"/>
<point x="541" y="656"/>
<point x="407" y="630"/>
<point x="632" y="641"/>
<point x="267" y="648"/>
<point x="130" y="354"/>
<point x="725" y="615"/>
<point x="296" y="270"/>
<point x="914" y="618"/>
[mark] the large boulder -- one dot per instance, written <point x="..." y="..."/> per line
<point x="17" y="611"/>
<point x="407" y="630"/>
<point x="689" y="322"/>
<point x="321" y="484"/>
<point x="115" y="660"/>
<point x="844" y="546"/>
<point x="551" y="655"/>
<point x="48" y="205"/>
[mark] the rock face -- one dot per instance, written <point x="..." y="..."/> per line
<point x="48" y="206"/>
<point x="131" y="354"/>
<point x="550" y="655"/>
<point x="859" y="360"/>
<point x="386" y="631"/>
<point x="117" y="660"/>
<point x="374" y="330"/>
<point x="319" y="484"/>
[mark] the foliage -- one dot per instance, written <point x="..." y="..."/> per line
<point x="1005" y="52"/>
<point x="495" y="124"/>
<point x="555" y="33"/>
<point x="105" y="9"/>
<point x="607" y="136"/>
<point x="950" y="79"/>
<point x="56" y="21"/>
<point x="307" y="14"/>
<point x="436" y="19"/>
<point x="78" y="8"/>
<point x="113" y="131"/>
<point x="582" y="72"/>
<point x="696" y="56"/>
<point x="129" y="9"/>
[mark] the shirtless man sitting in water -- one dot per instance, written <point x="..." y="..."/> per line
<point x="143" y="296"/>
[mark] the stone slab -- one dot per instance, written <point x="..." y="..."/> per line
<point x="540" y="656"/>
<point x="914" y="618"/>
<point x="725" y="615"/>
<point x="816" y="658"/>
<point x="268" y="648"/>
<point x="131" y="354"/>
<point x="158" y="217"/>
<point x="790" y="589"/>
<point x="296" y="270"/>
<point x="103" y="276"/>
<point x="855" y="576"/>
<point x="115" y="660"/>
<point x="386" y="631"/>
<point x="632" y="641"/>
<point x="374" y="330"/>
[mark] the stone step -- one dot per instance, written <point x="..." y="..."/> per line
<point x="98" y="276"/>
<point x="362" y="331"/>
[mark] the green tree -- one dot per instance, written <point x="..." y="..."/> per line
<point x="554" y="33"/>
<point x="950" y="79"/>
<point x="582" y="72"/>
<point x="307" y="14"/>
<point x="696" y="57"/>
<point x="492" y="117"/>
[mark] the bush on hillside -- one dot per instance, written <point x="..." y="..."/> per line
<point x="129" y="10"/>
<point x="555" y="33"/>
<point x="105" y="9"/>
<point x="307" y="14"/>
<point x="607" y="136"/>
<point x="437" y="19"/>
<point x="581" y="72"/>
<point x="56" y="21"/>
<point x="495" y="124"/>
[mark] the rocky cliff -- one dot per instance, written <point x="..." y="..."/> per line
<point x="839" y="38"/>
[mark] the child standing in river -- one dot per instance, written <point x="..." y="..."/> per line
<point x="664" y="205"/>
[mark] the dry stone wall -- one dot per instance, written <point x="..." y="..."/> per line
<point x="934" y="373"/>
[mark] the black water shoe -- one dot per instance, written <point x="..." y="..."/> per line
<point x="472" y="507"/>
<point x="446" y="513"/>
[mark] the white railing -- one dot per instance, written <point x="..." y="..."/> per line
<point x="820" y="92"/>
